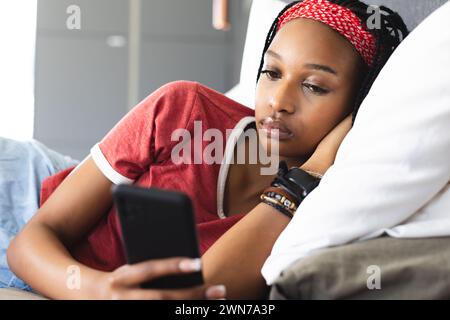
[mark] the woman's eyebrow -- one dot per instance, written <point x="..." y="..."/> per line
<point x="314" y="66"/>
<point x="274" y="54"/>
<point x="321" y="67"/>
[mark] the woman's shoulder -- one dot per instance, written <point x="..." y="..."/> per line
<point x="219" y="102"/>
<point x="190" y="100"/>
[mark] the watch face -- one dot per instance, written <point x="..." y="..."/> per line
<point x="303" y="180"/>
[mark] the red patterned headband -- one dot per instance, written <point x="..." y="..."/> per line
<point x="341" y="19"/>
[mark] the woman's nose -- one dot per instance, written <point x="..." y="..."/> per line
<point x="282" y="99"/>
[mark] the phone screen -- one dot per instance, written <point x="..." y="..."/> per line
<point x="158" y="224"/>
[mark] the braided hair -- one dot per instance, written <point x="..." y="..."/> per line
<point x="393" y="30"/>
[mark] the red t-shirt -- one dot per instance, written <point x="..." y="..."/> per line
<point x="138" y="150"/>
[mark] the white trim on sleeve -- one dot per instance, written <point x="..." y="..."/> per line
<point x="106" y="168"/>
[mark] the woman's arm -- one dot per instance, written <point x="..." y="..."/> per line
<point x="236" y="259"/>
<point x="39" y="252"/>
<point x="40" y="257"/>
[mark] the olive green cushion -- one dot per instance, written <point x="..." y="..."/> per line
<point x="407" y="268"/>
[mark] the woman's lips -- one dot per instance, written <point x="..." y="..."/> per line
<point x="275" y="129"/>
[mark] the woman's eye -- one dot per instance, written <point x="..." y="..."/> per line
<point x="272" y="75"/>
<point x="315" y="89"/>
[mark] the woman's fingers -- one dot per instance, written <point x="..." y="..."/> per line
<point x="333" y="140"/>
<point x="325" y="153"/>
<point x="344" y="127"/>
<point x="136" y="274"/>
<point x="340" y="131"/>
<point x="124" y="283"/>
<point x="198" y="293"/>
<point x="195" y="293"/>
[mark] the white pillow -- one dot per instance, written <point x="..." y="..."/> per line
<point x="392" y="171"/>
<point x="262" y="14"/>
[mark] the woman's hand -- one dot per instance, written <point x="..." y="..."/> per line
<point x="124" y="282"/>
<point x="325" y="153"/>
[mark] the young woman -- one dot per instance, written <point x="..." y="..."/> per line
<point x="318" y="64"/>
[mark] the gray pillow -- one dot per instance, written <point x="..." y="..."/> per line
<point x="407" y="269"/>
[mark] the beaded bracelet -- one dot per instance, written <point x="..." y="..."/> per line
<point x="280" y="199"/>
<point x="282" y="196"/>
<point x="271" y="202"/>
<point x="289" y="188"/>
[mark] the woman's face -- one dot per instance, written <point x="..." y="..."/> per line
<point x="310" y="79"/>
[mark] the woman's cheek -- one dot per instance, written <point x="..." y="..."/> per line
<point x="309" y="139"/>
<point x="261" y="109"/>
<point x="259" y="97"/>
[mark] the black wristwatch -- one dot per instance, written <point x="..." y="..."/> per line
<point x="296" y="181"/>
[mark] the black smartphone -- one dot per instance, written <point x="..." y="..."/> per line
<point x="158" y="224"/>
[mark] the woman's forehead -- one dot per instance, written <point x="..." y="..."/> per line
<point x="306" y="39"/>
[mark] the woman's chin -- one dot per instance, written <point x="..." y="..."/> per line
<point x="275" y="146"/>
<point x="283" y="149"/>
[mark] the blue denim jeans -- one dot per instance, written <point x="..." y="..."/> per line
<point x="23" y="167"/>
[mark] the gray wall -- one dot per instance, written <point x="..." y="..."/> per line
<point x="412" y="11"/>
<point x="81" y="82"/>
<point x="187" y="47"/>
<point x="81" y="85"/>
